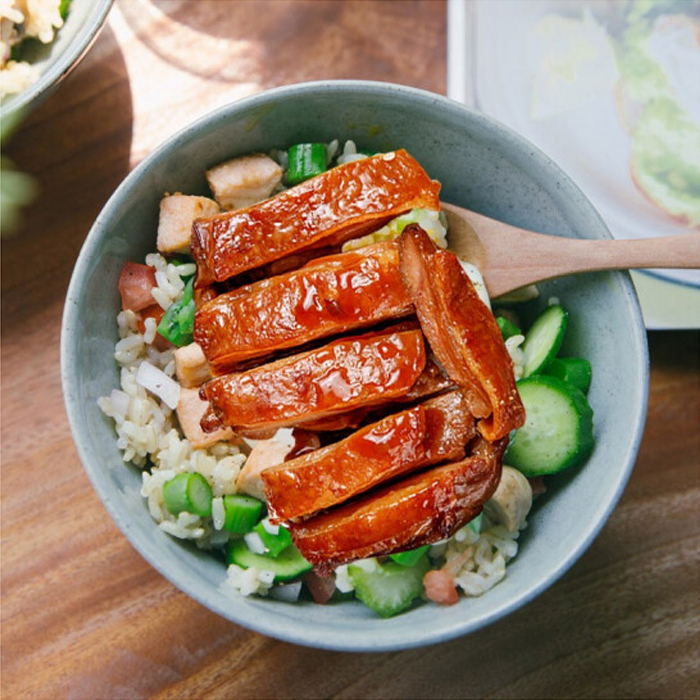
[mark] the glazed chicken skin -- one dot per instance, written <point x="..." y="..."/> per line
<point x="339" y="377"/>
<point x="420" y="509"/>
<point x="330" y="296"/>
<point x="462" y="333"/>
<point x="433" y="431"/>
<point x="343" y="203"/>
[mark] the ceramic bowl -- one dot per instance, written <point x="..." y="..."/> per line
<point x="481" y="165"/>
<point x="55" y="60"/>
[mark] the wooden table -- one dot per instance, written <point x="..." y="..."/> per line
<point x="83" y="616"/>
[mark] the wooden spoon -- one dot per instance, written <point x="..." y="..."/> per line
<point x="510" y="257"/>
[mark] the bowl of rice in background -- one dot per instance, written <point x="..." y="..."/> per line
<point x="41" y="42"/>
<point x="481" y="165"/>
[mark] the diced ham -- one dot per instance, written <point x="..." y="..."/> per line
<point x="135" y="284"/>
<point x="244" y="181"/>
<point x="177" y="214"/>
<point x="440" y="587"/>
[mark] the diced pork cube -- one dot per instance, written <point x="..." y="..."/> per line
<point x="190" y="409"/>
<point x="265" y="453"/>
<point x="244" y="181"/>
<point x="191" y="366"/>
<point x="177" y="212"/>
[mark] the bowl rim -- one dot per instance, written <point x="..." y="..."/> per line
<point x="306" y="634"/>
<point x="64" y="64"/>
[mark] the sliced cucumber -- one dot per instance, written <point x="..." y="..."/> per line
<point x="558" y="430"/>
<point x="543" y="340"/>
<point x="287" y="565"/>
<point x="389" y="588"/>
<point x="574" y="370"/>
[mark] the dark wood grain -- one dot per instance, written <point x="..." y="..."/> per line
<point x="83" y="616"/>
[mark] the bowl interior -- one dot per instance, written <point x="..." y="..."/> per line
<point x="55" y="60"/>
<point x="481" y="165"/>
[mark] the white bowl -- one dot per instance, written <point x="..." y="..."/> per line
<point x="55" y="60"/>
<point x="481" y="165"/>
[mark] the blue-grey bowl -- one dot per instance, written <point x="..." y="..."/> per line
<point x="482" y="166"/>
<point x="56" y="60"/>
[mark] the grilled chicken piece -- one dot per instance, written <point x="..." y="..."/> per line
<point x="420" y="509"/>
<point x="327" y="297"/>
<point x="436" y="430"/>
<point x="462" y="333"/>
<point x="339" y="377"/>
<point x="430" y="383"/>
<point x="342" y="203"/>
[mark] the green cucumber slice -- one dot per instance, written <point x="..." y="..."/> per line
<point x="274" y="543"/>
<point x="287" y="565"/>
<point x="558" y="430"/>
<point x="389" y="588"/>
<point x="543" y="340"/>
<point x="573" y="370"/>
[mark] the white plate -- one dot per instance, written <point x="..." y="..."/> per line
<point x="502" y="60"/>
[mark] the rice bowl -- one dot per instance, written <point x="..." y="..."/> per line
<point x="510" y="174"/>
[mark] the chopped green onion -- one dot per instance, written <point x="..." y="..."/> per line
<point x="188" y="493"/>
<point x="409" y="557"/>
<point x="305" y="160"/>
<point x="63" y="8"/>
<point x="241" y="513"/>
<point x="275" y="537"/>
<point x="508" y="328"/>
<point x="177" y="324"/>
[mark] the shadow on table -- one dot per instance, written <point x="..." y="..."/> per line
<point x="76" y="145"/>
<point x="278" y="43"/>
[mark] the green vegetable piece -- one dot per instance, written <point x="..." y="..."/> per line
<point x="508" y="328"/>
<point x="543" y="340"/>
<point x="305" y="160"/>
<point x="188" y="493"/>
<point x="574" y="370"/>
<point x="287" y="565"/>
<point x="275" y="543"/>
<point x="475" y="524"/>
<point x="63" y="8"/>
<point x="411" y="556"/>
<point x="241" y="513"/>
<point x="558" y="430"/>
<point x="391" y="587"/>
<point x="177" y="324"/>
